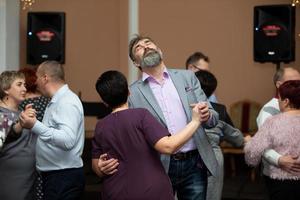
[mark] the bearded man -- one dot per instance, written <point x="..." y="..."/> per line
<point x="168" y="94"/>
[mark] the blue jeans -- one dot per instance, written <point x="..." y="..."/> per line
<point x="189" y="178"/>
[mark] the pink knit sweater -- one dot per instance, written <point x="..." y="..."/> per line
<point x="281" y="133"/>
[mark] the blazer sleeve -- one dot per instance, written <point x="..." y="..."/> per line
<point x="201" y="97"/>
<point x="232" y="135"/>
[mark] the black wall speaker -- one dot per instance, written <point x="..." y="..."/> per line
<point x="45" y="37"/>
<point x="274" y="33"/>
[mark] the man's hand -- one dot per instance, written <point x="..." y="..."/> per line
<point x="203" y="111"/>
<point x="28" y="117"/>
<point x="290" y="164"/>
<point x="107" y="166"/>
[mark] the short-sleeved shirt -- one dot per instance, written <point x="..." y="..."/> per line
<point x="130" y="136"/>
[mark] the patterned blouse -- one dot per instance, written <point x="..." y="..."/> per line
<point x="39" y="104"/>
<point x="281" y="133"/>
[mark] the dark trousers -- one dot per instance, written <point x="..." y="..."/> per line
<point x="66" y="184"/>
<point x="283" y="189"/>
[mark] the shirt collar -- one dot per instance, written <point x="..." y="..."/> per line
<point x="146" y="76"/>
<point x="59" y="93"/>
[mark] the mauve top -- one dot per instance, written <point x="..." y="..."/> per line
<point x="130" y="136"/>
<point x="281" y="133"/>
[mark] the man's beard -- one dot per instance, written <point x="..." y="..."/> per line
<point x="151" y="59"/>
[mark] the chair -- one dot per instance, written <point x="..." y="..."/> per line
<point x="95" y="109"/>
<point x="243" y="114"/>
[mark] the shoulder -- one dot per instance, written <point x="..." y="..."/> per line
<point x="182" y="72"/>
<point x="70" y="97"/>
<point x="69" y="101"/>
<point x="43" y="98"/>
<point x="24" y="103"/>
<point x="273" y="120"/>
<point x="135" y="85"/>
<point x="272" y="103"/>
<point x="144" y="111"/>
<point x="269" y="109"/>
<point x="139" y="113"/>
<point x="39" y="100"/>
<point x="184" y="76"/>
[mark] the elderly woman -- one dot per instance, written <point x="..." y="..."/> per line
<point x="281" y="133"/>
<point x="17" y="157"/>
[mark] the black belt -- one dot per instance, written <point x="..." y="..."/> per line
<point x="185" y="155"/>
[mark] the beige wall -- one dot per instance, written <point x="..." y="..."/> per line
<point x="223" y="31"/>
<point x="96" y="40"/>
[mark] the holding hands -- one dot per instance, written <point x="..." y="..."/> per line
<point x="201" y="112"/>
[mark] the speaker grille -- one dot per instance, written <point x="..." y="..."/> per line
<point x="45" y="37"/>
<point x="274" y="33"/>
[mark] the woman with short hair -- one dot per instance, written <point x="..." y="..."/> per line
<point x="281" y="133"/>
<point x="17" y="156"/>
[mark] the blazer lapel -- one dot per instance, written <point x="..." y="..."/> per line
<point x="180" y="86"/>
<point x="150" y="98"/>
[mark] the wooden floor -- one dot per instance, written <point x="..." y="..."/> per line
<point x="240" y="186"/>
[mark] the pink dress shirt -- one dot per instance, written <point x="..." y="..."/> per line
<point x="169" y="102"/>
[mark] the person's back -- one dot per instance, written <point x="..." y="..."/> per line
<point x="270" y="109"/>
<point x="281" y="132"/>
<point x="129" y="136"/>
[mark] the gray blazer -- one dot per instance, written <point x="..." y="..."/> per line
<point x="189" y="91"/>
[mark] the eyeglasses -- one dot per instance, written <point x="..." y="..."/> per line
<point x="195" y="66"/>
